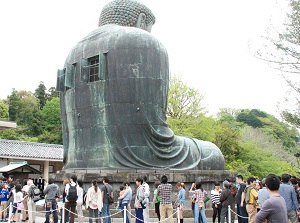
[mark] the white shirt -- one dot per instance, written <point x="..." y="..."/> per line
<point x="67" y="190"/>
<point x="147" y="189"/>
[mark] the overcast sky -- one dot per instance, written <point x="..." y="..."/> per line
<point x="210" y="44"/>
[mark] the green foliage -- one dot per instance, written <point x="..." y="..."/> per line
<point x="51" y="114"/>
<point x="40" y="94"/>
<point x="3" y="110"/>
<point x="183" y="101"/>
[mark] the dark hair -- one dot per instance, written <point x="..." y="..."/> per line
<point x="105" y="179"/>
<point x="74" y="178"/>
<point x="293" y="181"/>
<point x="217" y="183"/>
<point x="156" y="184"/>
<point x="240" y="177"/>
<point x="24" y="182"/>
<point x="51" y="180"/>
<point x="164" y="179"/>
<point x="285" y="178"/>
<point x="139" y="180"/>
<point x="272" y="182"/>
<point x="79" y="182"/>
<point x="251" y="180"/>
<point x="199" y="185"/>
<point x="4" y="179"/>
<point x="18" y="187"/>
<point x="126" y="182"/>
<point x="121" y="187"/>
<point x="11" y="176"/>
<point x="145" y="178"/>
<point x="94" y="182"/>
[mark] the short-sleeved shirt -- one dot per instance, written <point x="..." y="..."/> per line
<point x="165" y="191"/>
<point x="106" y="188"/>
<point x="4" y="195"/>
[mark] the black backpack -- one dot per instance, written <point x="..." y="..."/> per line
<point x="72" y="193"/>
<point x="35" y="193"/>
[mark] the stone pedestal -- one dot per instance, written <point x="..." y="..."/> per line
<point x="117" y="177"/>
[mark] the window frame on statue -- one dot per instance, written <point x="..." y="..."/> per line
<point x="94" y="68"/>
<point x="66" y="78"/>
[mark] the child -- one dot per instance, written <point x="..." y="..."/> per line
<point x="122" y="191"/>
<point x="4" y="202"/>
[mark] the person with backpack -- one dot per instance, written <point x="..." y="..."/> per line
<point x="33" y="192"/>
<point x="165" y="192"/>
<point x="52" y="193"/>
<point x="94" y="201"/>
<point x="250" y="195"/>
<point x="107" y="194"/>
<point x="71" y="198"/>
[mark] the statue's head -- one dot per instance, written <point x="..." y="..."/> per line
<point x="127" y="13"/>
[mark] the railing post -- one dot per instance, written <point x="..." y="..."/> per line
<point x="178" y="215"/>
<point x="229" y="214"/>
<point x="125" y="214"/>
<point x="63" y="213"/>
<point x="10" y="212"/>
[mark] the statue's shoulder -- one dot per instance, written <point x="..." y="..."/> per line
<point x="123" y="36"/>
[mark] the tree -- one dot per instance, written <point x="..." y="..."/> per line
<point x="40" y="94"/>
<point x="283" y="54"/>
<point x="3" y="110"/>
<point x="13" y="103"/>
<point x="183" y="101"/>
<point x="51" y="114"/>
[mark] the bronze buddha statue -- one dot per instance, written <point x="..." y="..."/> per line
<point x="114" y="89"/>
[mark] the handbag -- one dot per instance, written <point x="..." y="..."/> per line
<point x="109" y="198"/>
<point x="20" y="205"/>
<point x="206" y="198"/>
<point x="200" y="204"/>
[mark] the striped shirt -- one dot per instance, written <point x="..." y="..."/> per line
<point x="215" y="196"/>
<point x="165" y="191"/>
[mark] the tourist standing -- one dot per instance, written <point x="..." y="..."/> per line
<point x="19" y="198"/>
<point x="106" y="190"/>
<point x="166" y="208"/>
<point x="25" y="192"/>
<point x="263" y="194"/>
<point x="138" y="200"/>
<point x="52" y="193"/>
<point x="273" y="210"/>
<point x="80" y="201"/>
<point x="4" y="201"/>
<point x="250" y="196"/>
<point x="147" y="195"/>
<point x="71" y="198"/>
<point x="241" y="209"/>
<point x="156" y="199"/>
<point x="126" y="198"/>
<point x="30" y="203"/>
<point x="226" y="199"/>
<point x="94" y="201"/>
<point x="215" y="202"/>
<point x="199" y="209"/>
<point x="181" y="199"/>
<point x="288" y="193"/>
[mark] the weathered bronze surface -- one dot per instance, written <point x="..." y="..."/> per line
<point x="117" y="119"/>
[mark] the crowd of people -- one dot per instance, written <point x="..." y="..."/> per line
<point x="273" y="199"/>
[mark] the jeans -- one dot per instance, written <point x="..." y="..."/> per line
<point x="199" y="212"/>
<point x="122" y="208"/>
<point x="51" y="205"/>
<point x="242" y="212"/>
<point x="139" y="215"/>
<point x="94" y="212"/>
<point x="106" y="212"/>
